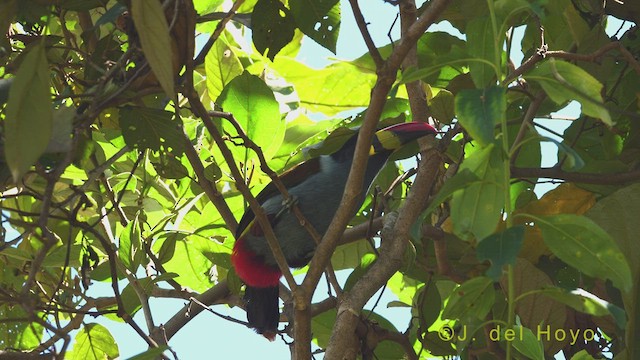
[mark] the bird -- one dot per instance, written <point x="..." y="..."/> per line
<point x="316" y="187"/>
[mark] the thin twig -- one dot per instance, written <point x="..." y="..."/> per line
<point x="216" y="33"/>
<point x="366" y="36"/>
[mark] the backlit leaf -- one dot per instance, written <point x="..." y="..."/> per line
<point x="472" y="299"/>
<point x="221" y="66"/>
<point x="255" y="108"/>
<point x="94" y="342"/>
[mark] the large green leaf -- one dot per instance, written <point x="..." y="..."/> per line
<point x="221" y="65"/>
<point x="319" y="20"/>
<point x="501" y="249"/>
<point x="130" y="249"/>
<point x="481" y="44"/>
<point x="94" y="342"/>
<point x="479" y="110"/>
<point x="335" y="88"/>
<point x="617" y="214"/>
<point x="471" y="300"/>
<point x="191" y="258"/>
<point x="583" y="244"/>
<point x="256" y="110"/>
<point x="16" y="334"/>
<point x="152" y="129"/>
<point x="153" y="30"/>
<point x="442" y="106"/>
<point x="476" y="210"/>
<point x="271" y="27"/>
<point x="564" y="82"/>
<point x="528" y="344"/>
<point x="28" y="122"/>
<point x="366" y="261"/>
<point x="587" y="303"/>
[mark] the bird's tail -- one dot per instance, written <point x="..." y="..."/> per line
<point x="262" y="310"/>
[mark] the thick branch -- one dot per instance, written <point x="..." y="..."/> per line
<point x="188" y="312"/>
<point x="417" y="96"/>
<point x="585" y="178"/>
<point x="395" y="240"/>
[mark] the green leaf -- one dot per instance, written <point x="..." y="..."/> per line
<point x="472" y="299"/>
<point x="170" y="167"/>
<point x="582" y="355"/>
<point x="272" y="27"/>
<point x="617" y="214"/>
<point x="256" y="110"/>
<point x="28" y="122"/>
<point x="336" y="139"/>
<point x="130" y="248"/>
<point x="365" y="262"/>
<point x="528" y="344"/>
<point x="322" y="326"/>
<point x="94" y="342"/>
<point x="583" y="244"/>
<point x="190" y="257"/>
<point x="319" y="20"/>
<point x="221" y="65"/>
<point x="564" y="82"/>
<point x="479" y="110"/>
<point x="587" y="303"/>
<point x="335" y="88"/>
<point x="442" y="106"/>
<point x="21" y="335"/>
<point x="152" y="129"/>
<point x="476" y="210"/>
<point x="153" y="30"/>
<point x="463" y="179"/>
<point x="481" y="44"/>
<point x="212" y="172"/>
<point x="348" y="256"/>
<point x="60" y="141"/>
<point x="428" y="303"/>
<point x="501" y="249"/>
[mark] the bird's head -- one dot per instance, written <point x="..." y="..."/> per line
<point x="393" y="137"/>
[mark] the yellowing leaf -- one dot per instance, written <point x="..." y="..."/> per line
<point x="29" y="113"/>
<point x="566" y="198"/>
<point x="153" y="31"/>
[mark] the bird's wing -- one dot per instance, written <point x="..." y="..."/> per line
<point x="289" y="178"/>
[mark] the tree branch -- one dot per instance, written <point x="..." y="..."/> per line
<point x="585" y="178"/>
<point x="366" y="36"/>
<point x="395" y="239"/>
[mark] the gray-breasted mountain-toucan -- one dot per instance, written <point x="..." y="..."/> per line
<point x="316" y="185"/>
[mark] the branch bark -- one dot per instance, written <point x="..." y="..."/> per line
<point x="585" y="178"/>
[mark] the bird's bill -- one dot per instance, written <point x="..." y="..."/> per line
<point x="395" y="136"/>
